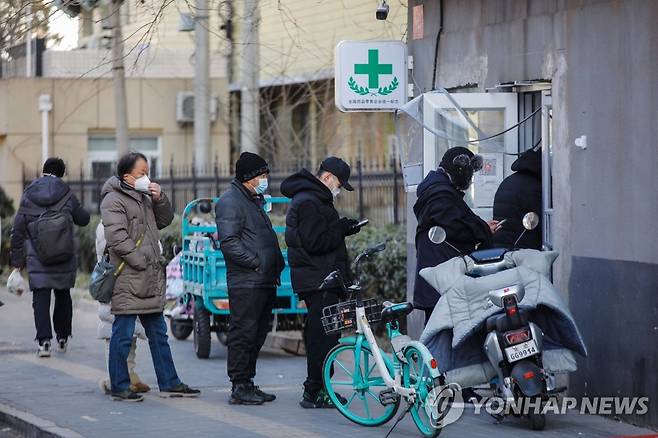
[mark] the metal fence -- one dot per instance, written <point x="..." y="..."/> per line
<point x="378" y="188"/>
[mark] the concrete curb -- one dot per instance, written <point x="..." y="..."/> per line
<point x="32" y="426"/>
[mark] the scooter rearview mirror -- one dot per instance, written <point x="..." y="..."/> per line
<point x="530" y="221"/>
<point x="437" y="235"/>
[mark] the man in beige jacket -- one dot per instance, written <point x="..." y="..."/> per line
<point x="105" y="321"/>
<point x="133" y="210"/>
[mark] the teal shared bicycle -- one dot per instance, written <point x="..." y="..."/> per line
<point x="366" y="384"/>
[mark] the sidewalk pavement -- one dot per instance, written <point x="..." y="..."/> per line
<point x="61" y="394"/>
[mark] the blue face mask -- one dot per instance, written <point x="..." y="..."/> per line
<point x="262" y="186"/>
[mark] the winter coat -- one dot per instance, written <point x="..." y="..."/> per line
<point x="129" y="215"/>
<point x="41" y="193"/>
<point x="315" y="238"/>
<point x="440" y="203"/>
<point x="247" y="240"/>
<point x="518" y="194"/>
<point x="106" y="319"/>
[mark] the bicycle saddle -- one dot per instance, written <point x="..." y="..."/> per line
<point x="393" y="311"/>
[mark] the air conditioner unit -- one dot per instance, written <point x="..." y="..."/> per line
<point x="185" y="107"/>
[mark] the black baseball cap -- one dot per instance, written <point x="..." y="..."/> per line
<point x="340" y="169"/>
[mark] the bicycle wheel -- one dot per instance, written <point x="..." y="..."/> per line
<point x="354" y="383"/>
<point x="416" y="374"/>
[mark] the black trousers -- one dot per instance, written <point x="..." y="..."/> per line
<point x="317" y="342"/>
<point x="62" y="315"/>
<point x="250" y="320"/>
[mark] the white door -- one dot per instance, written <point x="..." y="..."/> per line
<point x="463" y="117"/>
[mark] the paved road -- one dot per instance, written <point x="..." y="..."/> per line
<point x="63" y="389"/>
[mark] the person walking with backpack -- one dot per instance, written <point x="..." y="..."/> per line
<point x="133" y="210"/>
<point x="254" y="264"/>
<point x="42" y="240"/>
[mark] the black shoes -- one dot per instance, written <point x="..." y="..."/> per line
<point x="44" y="349"/>
<point x="264" y="395"/>
<point x="127" y="396"/>
<point x="321" y="400"/>
<point x="62" y="345"/>
<point x="245" y="394"/>
<point x="181" y="390"/>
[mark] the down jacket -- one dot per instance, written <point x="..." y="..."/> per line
<point x="44" y="192"/>
<point x="247" y="240"/>
<point x="106" y="319"/>
<point x="128" y="216"/>
<point x="440" y="203"/>
<point x="518" y="194"/>
<point x="314" y="234"/>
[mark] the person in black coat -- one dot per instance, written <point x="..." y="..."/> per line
<point x="44" y="193"/>
<point x="441" y="202"/>
<point x="254" y="264"/>
<point x="315" y="235"/>
<point x="519" y="194"/>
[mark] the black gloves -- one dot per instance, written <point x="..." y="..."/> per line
<point x="348" y="226"/>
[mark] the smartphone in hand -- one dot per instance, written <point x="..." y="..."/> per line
<point x="499" y="225"/>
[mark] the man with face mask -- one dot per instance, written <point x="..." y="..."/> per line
<point x="441" y="202"/>
<point x="254" y="264"/>
<point x="315" y="235"/>
<point x="133" y="210"/>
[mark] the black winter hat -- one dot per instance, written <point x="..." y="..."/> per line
<point x="461" y="177"/>
<point x="449" y="156"/>
<point x="250" y="165"/>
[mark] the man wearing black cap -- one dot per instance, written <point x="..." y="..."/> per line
<point x="254" y="263"/>
<point x="315" y="235"/>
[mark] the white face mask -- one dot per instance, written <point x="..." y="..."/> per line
<point x="142" y="184"/>
<point x="335" y="191"/>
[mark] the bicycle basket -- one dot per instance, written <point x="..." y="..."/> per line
<point x="342" y="316"/>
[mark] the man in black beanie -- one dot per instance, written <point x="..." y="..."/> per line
<point x="441" y="202"/>
<point x="254" y="264"/>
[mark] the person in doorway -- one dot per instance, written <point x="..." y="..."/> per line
<point x="315" y="235"/>
<point x="43" y="240"/>
<point x="106" y="319"/>
<point x="254" y="264"/>
<point x="133" y="210"/>
<point x="519" y="194"/>
<point x="441" y="202"/>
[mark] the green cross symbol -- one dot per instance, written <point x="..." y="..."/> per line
<point x="373" y="68"/>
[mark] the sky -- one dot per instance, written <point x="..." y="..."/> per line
<point x="67" y="27"/>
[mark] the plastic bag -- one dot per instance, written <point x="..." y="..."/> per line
<point x="16" y="283"/>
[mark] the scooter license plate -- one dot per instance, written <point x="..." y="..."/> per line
<point x="521" y="351"/>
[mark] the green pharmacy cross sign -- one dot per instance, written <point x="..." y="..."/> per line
<point x="370" y="75"/>
<point x="373" y="69"/>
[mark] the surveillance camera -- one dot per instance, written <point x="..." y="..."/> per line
<point x="382" y="11"/>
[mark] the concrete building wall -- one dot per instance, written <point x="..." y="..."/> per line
<point x="84" y="106"/>
<point x="602" y="59"/>
<point x="298" y="37"/>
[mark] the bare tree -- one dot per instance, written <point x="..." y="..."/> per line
<point x="17" y="17"/>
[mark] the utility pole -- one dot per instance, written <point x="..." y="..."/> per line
<point x="28" y="43"/>
<point x="119" y="81"/>
<point x="201" y="87"/>
<point x="249" y="108"/>
<point x="45" y="106"/>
